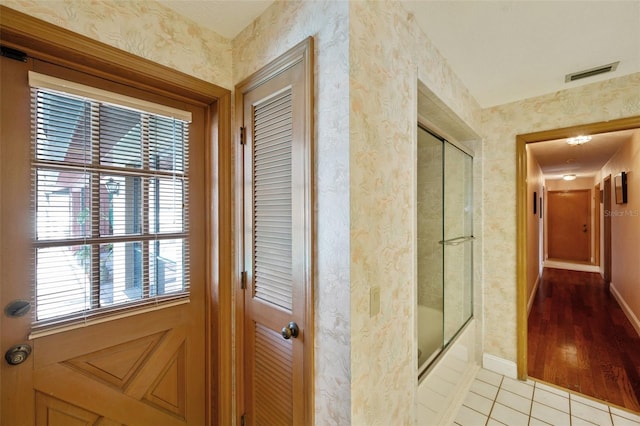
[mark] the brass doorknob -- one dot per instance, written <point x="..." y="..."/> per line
<point x="290" y="331"/>
<point x="17" y="354"/>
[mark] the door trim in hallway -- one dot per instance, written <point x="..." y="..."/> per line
<point x="521" y="214"/>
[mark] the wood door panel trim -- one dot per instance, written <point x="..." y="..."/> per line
<point x="81" y="342"/>
<point x="67" y="384"/>
<point x="115" y="365"/>
<point x="159" y="359"/>
<point x="44" y="403"/>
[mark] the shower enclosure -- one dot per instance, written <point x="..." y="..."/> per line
<point x="445" y="243"/>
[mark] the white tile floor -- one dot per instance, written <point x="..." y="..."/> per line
<point x="495" y="400"/>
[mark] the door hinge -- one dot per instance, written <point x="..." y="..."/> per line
<point x="243" y="420"/>
<point x="243" y="280"/>
<point x="242" y="135"/>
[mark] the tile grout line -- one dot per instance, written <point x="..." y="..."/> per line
<point x="495" y="398"/>
<point x="531" y="405"/>
<point x="570" y="415"/>
<point x="535" y="385"/>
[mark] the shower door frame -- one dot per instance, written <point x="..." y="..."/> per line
<point x="431" y="360"/>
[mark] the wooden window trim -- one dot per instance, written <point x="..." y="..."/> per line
<point x="48" y="42"/>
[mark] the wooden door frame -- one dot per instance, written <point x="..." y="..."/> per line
<point x="522" y="214"/>
<point x="62" y="47"/>
<point x="606" y="206"/>
<point x="597" y="214"/>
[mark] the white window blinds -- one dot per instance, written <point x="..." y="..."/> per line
<point x="110" y="198"/>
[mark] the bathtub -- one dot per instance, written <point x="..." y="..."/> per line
<point x="430" y="334"/>
<point x="457" y="366"/>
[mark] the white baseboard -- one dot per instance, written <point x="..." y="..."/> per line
<point x="580" y="267"/>
<point x="500" y="365"/>
<point x="532" y="296"/>
<point x="633" y="319"/>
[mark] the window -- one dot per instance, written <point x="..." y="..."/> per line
<point x="110" y="190"/>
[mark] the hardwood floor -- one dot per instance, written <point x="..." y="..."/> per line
<point x="579" y="338"/>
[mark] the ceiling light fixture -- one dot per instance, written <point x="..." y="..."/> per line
<point x="578" y="140"/>
<point x="569" y="177"/>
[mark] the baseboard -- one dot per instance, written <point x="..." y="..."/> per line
<point x="500" y="365"/>
<point x="532" y="296"/>
<point x="580" y="267"/>
<point x="633" y="319"/>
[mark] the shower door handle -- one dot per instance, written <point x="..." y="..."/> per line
<point x="456" y="241"/>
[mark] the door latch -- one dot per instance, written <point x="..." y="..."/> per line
<point x="17" y="354"/>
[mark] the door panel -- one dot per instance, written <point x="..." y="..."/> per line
<point x="276" y="112"/>
<point x="458" y="239"/>
<point x="136" y="367"/>
<point x="569" y="222"/>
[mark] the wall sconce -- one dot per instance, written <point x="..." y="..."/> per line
<point x="620" y="186"/>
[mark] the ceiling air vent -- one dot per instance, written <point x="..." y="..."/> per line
<point x="591" y="72"/>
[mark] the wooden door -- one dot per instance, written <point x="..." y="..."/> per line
<point x="597" y="214"/>
<point x="569" y="223"/>
<point x="275" y="106"/>
<point x="606" y="206"/>
<point x="137" y="366"/>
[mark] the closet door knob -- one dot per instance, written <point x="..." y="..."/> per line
<point x="290" y="331"/>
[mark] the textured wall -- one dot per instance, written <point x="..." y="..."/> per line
<point x="388" y="54"/>
<point x="144" y="28"/>
<point x="535" y="183"/>
<point x="612" y="99"/>
<point x="282" y="26"/>
<point x="625" y="226"/>
<point x="369" y="56"/>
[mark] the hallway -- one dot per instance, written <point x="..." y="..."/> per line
<point x="580" y="339"/>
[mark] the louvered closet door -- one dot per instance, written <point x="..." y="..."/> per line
<point x="277" y="240"/>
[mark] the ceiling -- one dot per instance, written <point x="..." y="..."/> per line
<point x="510" y="50"/>
<point x="503" y="51"/>
<point x="557" y="158"/>
<point x="226" y="17"/>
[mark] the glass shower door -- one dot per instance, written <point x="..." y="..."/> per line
<point x="458" y="240"/>
<point x="430" y="204"/>
<point x="444" y="244"/>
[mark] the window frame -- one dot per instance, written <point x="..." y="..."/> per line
<point x="46" y="92"/>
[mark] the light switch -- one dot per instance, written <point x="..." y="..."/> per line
<point x="374" y="301"/>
